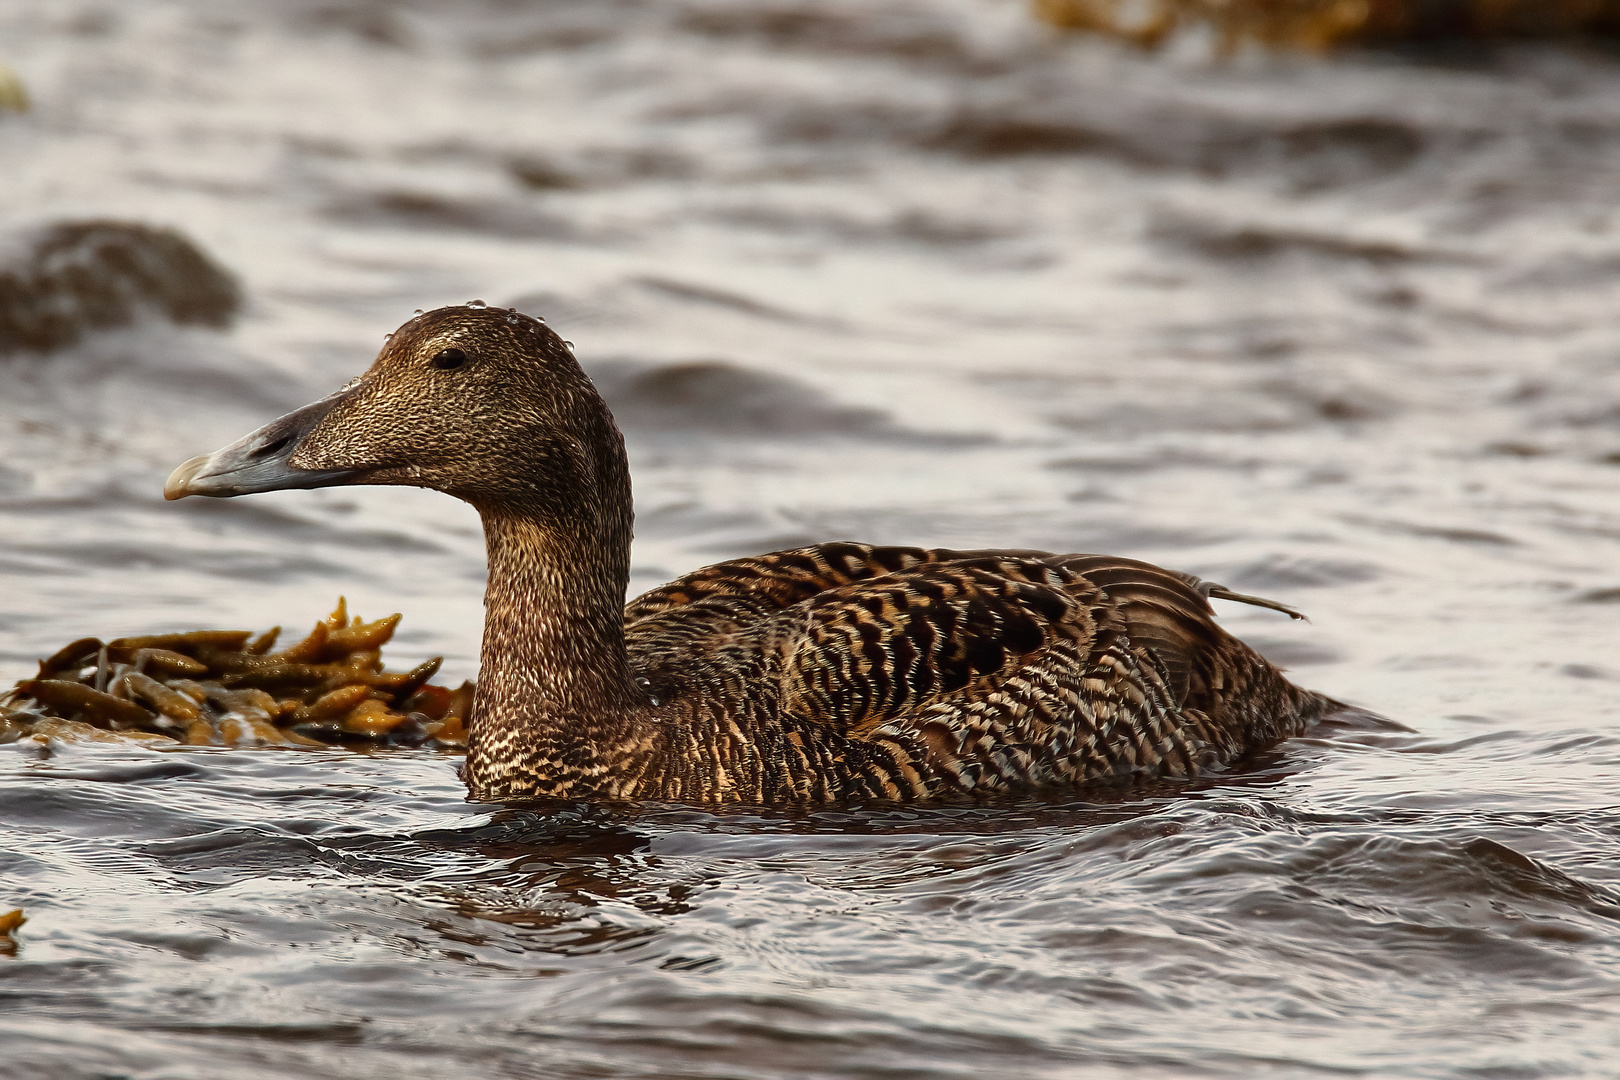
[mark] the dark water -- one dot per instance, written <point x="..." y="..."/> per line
<point x="1343" y="331"/>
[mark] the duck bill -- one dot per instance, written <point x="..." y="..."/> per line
<point x="261" y="461"/>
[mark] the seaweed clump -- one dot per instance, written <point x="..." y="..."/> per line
<point x="1318" y="25"/>
<point x="9" y="923"/>
<point x="226" y="688"/>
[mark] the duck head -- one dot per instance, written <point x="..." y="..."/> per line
<point x="485" y="404"/>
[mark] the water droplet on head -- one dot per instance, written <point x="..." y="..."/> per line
<point x="570" y="344"/>
<point x="388" y="337"/>
<point x="476" y="304"/>
<point x="419" y="311"/>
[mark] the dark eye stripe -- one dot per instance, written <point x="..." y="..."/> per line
<point x="449" y="358"/>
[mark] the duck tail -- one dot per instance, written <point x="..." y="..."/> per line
<point x="1220" y="592"/>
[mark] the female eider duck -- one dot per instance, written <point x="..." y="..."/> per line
<point x="836" y="671"/>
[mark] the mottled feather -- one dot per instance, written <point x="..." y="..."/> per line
<point x="910" y="672"/>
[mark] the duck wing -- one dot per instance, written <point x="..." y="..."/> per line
<point x="971" y="668"/>
<point x="781" y="578"/>
<point x="707" y="616"/>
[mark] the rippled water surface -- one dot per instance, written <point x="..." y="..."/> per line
<point x="1344" y="332"/>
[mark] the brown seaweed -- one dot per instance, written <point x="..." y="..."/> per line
<point x="1317" y="25"/>
<point x="10" y="922"/>
<point x="75" y="700"/>
<point x="227" y="688"/>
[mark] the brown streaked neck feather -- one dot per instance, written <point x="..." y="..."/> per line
<point x="555" y="683"/>
<point x="553" y="623"/>
<point x="555" y="697"/>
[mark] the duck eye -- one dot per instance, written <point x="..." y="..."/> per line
<point x="449" y="358"/>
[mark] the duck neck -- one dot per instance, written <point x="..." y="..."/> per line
<point x="555" y="686"/>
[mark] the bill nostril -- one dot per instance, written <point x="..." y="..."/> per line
<point x="272" y="447"/>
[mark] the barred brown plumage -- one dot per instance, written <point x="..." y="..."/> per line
<point x="829" y="672"/>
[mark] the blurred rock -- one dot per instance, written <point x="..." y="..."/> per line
<point x="68" y="279"/>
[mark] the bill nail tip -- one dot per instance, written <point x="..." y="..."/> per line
<point x="178" y="485"/>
